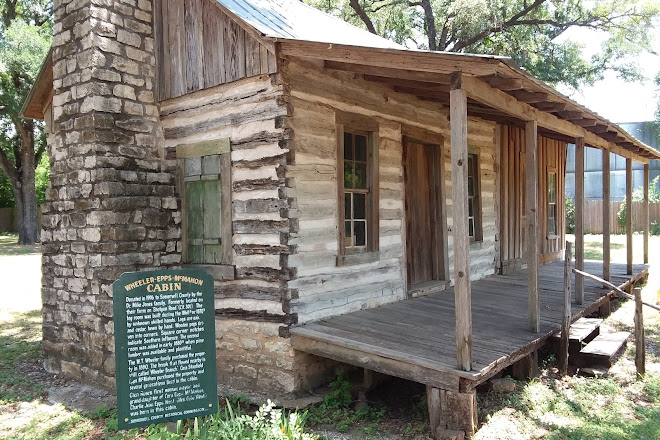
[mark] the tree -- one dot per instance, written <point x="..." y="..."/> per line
<point x="25" y="34"/>
<point x="529" y="31"/>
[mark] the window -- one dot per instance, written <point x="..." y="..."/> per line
<point x="552" y="204"/>
<point x="357" y="178"/>
<point x="206" y="204"/>
<point x="474" y="202"/>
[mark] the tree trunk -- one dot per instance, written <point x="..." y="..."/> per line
<point x="28" y="231"/>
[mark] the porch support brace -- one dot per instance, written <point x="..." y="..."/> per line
<point x="606" y="215"/>
<point x="459" y="178"/>
<point x="629" y="229"/>
<point x="532" y="215"/>
<point x="579" y="218"/>
<point x="451" y="413"/>
<point x="645" y="213"/>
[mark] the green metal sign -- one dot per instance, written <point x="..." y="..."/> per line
<point x="164" y="346"/>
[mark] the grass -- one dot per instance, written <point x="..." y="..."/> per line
<point x="9" y="245"/>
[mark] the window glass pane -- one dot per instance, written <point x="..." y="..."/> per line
<point x="551" y="188"/>
<point x="471" y="207"/>
<point x="471" y="227"/>
<point x="551" y="226"/>
<point x="470" y="164"/>
<point x="360" y="175"/>
<point x="211" y="165"/>
<point x="360" y="148"/>
<point x="193" y="166"/>
<point x="348" y="146"/>
<point x="360" y="206"/>
<point x="347" y="206"/>
<point x="349" y="233"/>
<point x="349" y="176"/>
<point x="470" y="186"/>
<point x="360" y="233"/>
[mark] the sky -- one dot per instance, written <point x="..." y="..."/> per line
<point x="613" y="98"/>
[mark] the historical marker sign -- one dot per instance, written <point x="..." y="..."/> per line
<point x="164" y="346"/>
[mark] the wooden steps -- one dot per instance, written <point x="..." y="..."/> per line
<point x="582" y="331"/>
<point x="587" y="347"/>
<point x="602" y="350"/>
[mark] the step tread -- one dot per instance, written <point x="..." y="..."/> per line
<point x="606" y="344"/>
<point x="581" y="329"/>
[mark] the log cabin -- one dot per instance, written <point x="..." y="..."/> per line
<point x="357" y="202"/>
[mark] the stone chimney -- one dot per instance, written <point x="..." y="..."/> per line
<point x="111" y="205"/>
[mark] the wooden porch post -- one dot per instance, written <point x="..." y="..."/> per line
<point x="579" y="218"/>
<point x="532" y="214"/>
<point x="645" y="213"/>
<point x="606" y="215"/>
<point x="459" y="178"/>
<point x="629" y="229"/>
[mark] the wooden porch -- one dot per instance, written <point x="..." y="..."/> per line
<point x="415" y="339"/>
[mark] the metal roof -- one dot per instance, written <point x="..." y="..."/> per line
<point x="293" y="19"/>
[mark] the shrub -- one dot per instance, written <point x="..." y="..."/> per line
<point x="570" y="215"/>
<point x="621" y="216"/>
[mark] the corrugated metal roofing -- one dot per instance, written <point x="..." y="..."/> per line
<point x="292" y="19"/>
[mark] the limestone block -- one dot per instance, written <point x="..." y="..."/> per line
<point x="130" y="38"/>
<point x="124" y="91"/>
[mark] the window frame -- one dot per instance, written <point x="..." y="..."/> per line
<point x="478" y="236"/>
<point x="220" y="147"/>
<point x="361" y="125"/>
<point x="551" y="171"/>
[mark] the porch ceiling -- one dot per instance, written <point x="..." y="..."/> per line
<point x="427" y="75"/>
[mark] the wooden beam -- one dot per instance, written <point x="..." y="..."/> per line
<point x="459" y="174"/>
<point x="532" y="216"/>
<point x="629" y="229"/>
<point x="503" y="83"/>
<point x="385" y="72"/>
<point x="482" y="92"/>
<point x="606" y="215"/>
<point x="550" y="106"/>
<point x="598" y="128"/>
<point x="645" y="213"/>
<point x="529" y="97"/>
<point x="640" y="338"/>
<point x="566" y="316"/>
<point x="585" y="122"/>
<point x="579" y="218"/>
<point x="409" y="83"/>
<point x="570" y="114"/>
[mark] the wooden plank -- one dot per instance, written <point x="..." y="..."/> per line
<point x="579" y="217"/>
<point x="252" y="56"/>
<point x="166" y="91"/>
<point x="213" y="42"/>
<point x="629" y="229"/>
<point x="645" y="213"/>
<point x="504" y="172"/>
<point x="606" y="215"/>
<point x="194" y="220"/>
<point x="532" y="205"/>
<point x="204" y="148"/>
<point x="230" y="39"/>
<point x="226" y="208"/>
<point x="193" y="27"/>
<point x="459" y="173"/>
<point x="177" y="48"/>
<point x="566" y="322"/>
<point x="159" y="48"/>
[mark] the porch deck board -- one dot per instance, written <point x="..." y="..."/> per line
<point x="415" y="339"/>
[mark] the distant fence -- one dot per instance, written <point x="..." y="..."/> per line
<point x="593" y="216"/>
<point x="9" y="219"/>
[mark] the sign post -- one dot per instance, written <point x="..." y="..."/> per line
<point x="164" y="346"/>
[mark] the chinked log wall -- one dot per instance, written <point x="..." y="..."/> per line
<point x="323" y="288"/>
<point x="252" y="309"/>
